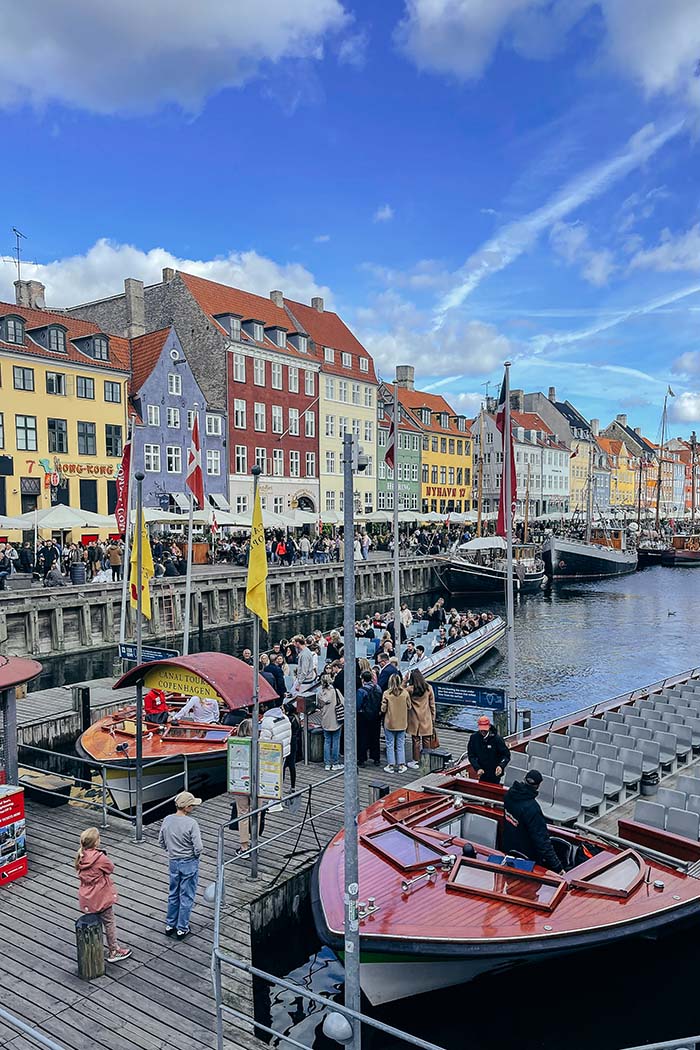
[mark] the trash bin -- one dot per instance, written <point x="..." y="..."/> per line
<point x="649" y="784"/>
<point x="77" y="572"/>
<point x="315" y="745"/>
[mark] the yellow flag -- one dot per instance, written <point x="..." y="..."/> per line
<point x="147" y="571"/>
<point x="256" y="588"/>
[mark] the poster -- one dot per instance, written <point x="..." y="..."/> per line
<point x="13" y="834"/>
<point x="270" y="767"/>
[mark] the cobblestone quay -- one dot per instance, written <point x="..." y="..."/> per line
<point x="77" y="619"/>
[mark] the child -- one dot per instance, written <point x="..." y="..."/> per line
<point x="97" y="893"/>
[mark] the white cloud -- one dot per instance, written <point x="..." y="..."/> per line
<point x="571" y="242"/>
<point x="383" y="214"/>
<point x="322" y="238"/>
<point x="688" y="363"/>
<point x="101" y="271"/>
<point x="423" y="275"/>
<point x="511" y="240"/>
<point x="686" y="408"/>
<point x="137" y="57"/>
<point x="671" y="253"/>
<point x="467" y="403"/>
<point x="352" y="50"/>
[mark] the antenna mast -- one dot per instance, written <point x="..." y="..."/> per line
<point x="19" y="237"/>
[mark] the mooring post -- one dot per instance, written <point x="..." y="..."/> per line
<point x="90" y="945"/>
<point x="200" y="624"/>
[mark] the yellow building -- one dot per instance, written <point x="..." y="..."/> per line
<point x="63" y="401"/>
<point x="624" y="477"/>
<point x="446" y="463"/>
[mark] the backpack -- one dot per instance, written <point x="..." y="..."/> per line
<point x="370" y="701"/>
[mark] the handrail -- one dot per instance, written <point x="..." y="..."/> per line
<point x="31" y="1033"/>
<point x="673" y="1044"/>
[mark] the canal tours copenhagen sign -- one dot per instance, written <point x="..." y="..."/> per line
<point x="178" y="680"/>
<point x="475" y="696"/>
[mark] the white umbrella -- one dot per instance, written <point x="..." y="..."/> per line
<point x="12" y="523"/>
<point x="380" y="516"/>
<point x="483" y="543"/>
<point x="63" y="519"/>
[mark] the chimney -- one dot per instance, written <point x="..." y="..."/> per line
<point x="517" y="400"/>
<point x="621" y="419"/>
<point x="317" y="303"/>
<point x="552" y="395"/>
<point x="278" y="300"/>
<point x="405" y="376"/>
<point x="168" y="274"/>
<point x="135" y="308"/>
<point x="638" y="431"/>
<point x="595" y="427"/>
<point x="30" y="294"/>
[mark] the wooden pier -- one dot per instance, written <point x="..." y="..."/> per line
<point x="162" y="996"/>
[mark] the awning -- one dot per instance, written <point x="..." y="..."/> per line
<point x="180" y="500"/>
<point x="220" y="502"/>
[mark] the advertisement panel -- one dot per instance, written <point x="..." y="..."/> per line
<point x="13" y="834"/>
<point x="270" y="767"/>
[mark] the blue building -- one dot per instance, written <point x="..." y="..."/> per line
<point x="163" y="395"/>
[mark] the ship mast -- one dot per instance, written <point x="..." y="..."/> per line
<point x="527" y="504"/>
<point x="693" y="449"/>
<point x="661" y="462"/>
<point x="480" y="486"/>
<point x="589" y="490"/>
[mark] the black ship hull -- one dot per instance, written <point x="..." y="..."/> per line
<point x="577" y="560"/>
<point x="463" y="578"/>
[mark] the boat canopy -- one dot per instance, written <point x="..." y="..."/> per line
<point x="217" y="675"/>
<point x="484" y="543"/>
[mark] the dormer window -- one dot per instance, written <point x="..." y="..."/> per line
<point x="281" y="337"/>
<point x="57" y="340"/>
<point x="235" y="327"/>
<point x="258" y="332"/>
<point x="347" y="360"/>
<point x="100" y="348"/>
<point x="303" y="342"/>
<point x="444" y="420"/>
<point x="425" y="414"/>
<point x="14" y="330"/>
<point x="364" y="364"/>
<point x="461" y="423"/>
<point x="328" y="354"/>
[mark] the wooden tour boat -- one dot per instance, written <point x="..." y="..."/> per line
<point x="684" y="550"/>
<point x="480" y="567"/>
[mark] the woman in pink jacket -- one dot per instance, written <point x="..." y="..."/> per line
<point x="97" y="893"/>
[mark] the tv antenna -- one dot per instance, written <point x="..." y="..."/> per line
<point x="19" y="237"/>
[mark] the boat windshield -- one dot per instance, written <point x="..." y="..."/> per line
<point x="614" y="877"/>
<point x="206" y="734"/>
<point x="497" y="880"/>
<point x="402" y="848"/>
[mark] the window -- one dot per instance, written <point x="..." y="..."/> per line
<point x="370" y="467"/>
<point x="241" y="504"/>
<point x="330" y="501"/>
<point x="14" y="330"/>
<point x="330" y="389"/>
<point x="368" y="502"/>
<point x="278" y="504"/>
<point x="328" y="355"/>
<point x="281" y="337"/>
<point x="258" y="332"/>
<point x="414" y="472"/>
<point x="330" y="426"/>
<point x="214" y="425"/>
<point x="342" y="425"/>
<point x="56" y="383"/>
<point x="294" y="464"/>
<point x="239" y="368"/>
<point x="235" y="327"/>
<point x="190" y="419"/>
<point x="85" y="387"/>
<point x="368" y="430"/>
<point x="356" y="428"/>
<point x="241" y="460"/>
<point x="443" y="445"/>
<point x="330" y="462"/>
<point x="433" y="475"/>
<point x="276" y="376"/>
<point x="258" y="372"/>
<point x="303" y="344"/>
<point x="277" y="426"/>
<point x="113" y="439"/>
<point x="451" y="446"/>
<point x="87" y="441"/>
<point x="293" y="379"/>
<point x="381" y="473"/>
<point x="277" y="462"/>
<point x="450" y="475"/>
<point x="381" y="438"/>
<point x="356" y="393"/>
<point x="173" y="459"/>
<point x="239" y="414"/>
<point x="347" y="360"/>
<point x="364" y="364"/>
<point x="294" y="421"/>
<point x="58" y="435"/>
<point x="153" y="415"/>
<point x="174" y="418"/>
<point x="261" y="459"/>
<point x="309" y="423"/>
<point x="113" y="392"/>
<point x="23" y="378"/>
<point x="213" y="461"/>
<point x="342" y="390"/>
<point x="459" y="448"/>
<point x="368" y="397"/>
<point x="259" y="416"/>
<point x="174" y="383"/>
<point x="424" y="472"/>
<point x="309" y="384"/>
<point x="100" y="348"/>
<point x="57" y="340"/>
<point x="311" y="464"/>
<point x="151" y="459"/>
<point x="381" y="500"/>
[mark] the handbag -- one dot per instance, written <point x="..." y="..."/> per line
<point x="339" y="707"/>
<point x="434" y="741"/>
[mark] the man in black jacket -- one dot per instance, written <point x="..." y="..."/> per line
<point x="487" y="752"/>
<point x="525" y="829"/>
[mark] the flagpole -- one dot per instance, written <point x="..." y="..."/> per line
<point x="397" y="580"/>
<point x="254" y="736"/>
<point x="125" y="556"/>
<point x="139" y="657"/>
<point x="510" y="633"/>
<point x="188" y="576"/>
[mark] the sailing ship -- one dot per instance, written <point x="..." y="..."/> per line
<point x="480" y="566"/>
<point x="654" y="551"/>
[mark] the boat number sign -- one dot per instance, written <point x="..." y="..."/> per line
<point x="178" y="680"/>
<point x="456" y="695"/>
<point x="270" y="765"/>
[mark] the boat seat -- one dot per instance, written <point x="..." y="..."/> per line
<point x="592" y="790"/>
<point x="512" y="774"/>
<point x="667" y="743"/>
<point x="578" y="745"/>
<point x="651" y="756"/>
<point x="641" y="733"/>
<point x="545" y="765"/>
<point x="651" y="814"/>
<point x="577" y="733"/>
<point x="684" y="739"/>
<point x="582" y="760"/>
<point x="563" y="771"/>
<point x="546" y="792"/>
<point x="669" y="797"/>
<point x="476" y="828"/>
<point x="647" y="705"/>
<point x="566" y="804"/>
<point x="613" y="716"/>
<point x="537" y="749"/>
<point x="634" y="722"/>
<point x="693" y="804"/>
<point x="632" y="763"/>
<point x="518" y="759"/>
<point x="622" y="740"/>
<point x="561" y="754"/>
<point x="681" y="822"/>
<point x="558" y="740"/>
<point x="613" y="772"/>
<point x="605" y="751"/>
<point x="688" y="783"/>
<point x="594" y="724"/>
<point x="599" y="736"/>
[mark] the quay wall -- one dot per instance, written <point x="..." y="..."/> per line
<point x="78" y="619"/>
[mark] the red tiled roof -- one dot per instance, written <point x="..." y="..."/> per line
<point x="407" y="421"/>
<point x="611" y="445"/>
<point x="415" y="400"/>
<point x="531" y="421"/>
<point x="146" y="349"/>
<point x="119" y="356"/>
<point x="326" y="328"/>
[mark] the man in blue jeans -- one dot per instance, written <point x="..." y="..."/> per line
<point x="181" y="837"/>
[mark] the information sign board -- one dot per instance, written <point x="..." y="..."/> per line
<point x="149" y="653"/>
<point x="457" y="695"/>
<point x="270" y="767"/>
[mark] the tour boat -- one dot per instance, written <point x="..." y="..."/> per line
<point x="652" y="552"/>
<point x="684" y="550"/>
<point x="480" y="567"/>
<point x="457" y="657"/>
<point x="604" y="554"/>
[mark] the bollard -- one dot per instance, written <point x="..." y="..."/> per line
<point x="90" y="945"/>
<point x="434" y="760"/>
<point x="377" y="790"/>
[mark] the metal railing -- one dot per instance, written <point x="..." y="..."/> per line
<point x="33" y="1034"/>
<point x="221" y="957"/>
<point x="691" y="1043"/>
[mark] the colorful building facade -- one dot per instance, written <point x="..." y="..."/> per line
<point x="407" y="455"/>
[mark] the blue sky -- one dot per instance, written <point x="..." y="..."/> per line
<point x="464" y="180"/>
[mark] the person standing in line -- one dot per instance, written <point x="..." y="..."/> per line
<point x="115" y="562"/>
<point x="396" y="704"/>
<point x="181" y="838"/>
<point x="488" y="752"/>
<point x="97" y="894"/>
<point x="306" y="675"/>
<point x="330" y="704"/>
<point x="421" y="717"/>
<point x="369" y="719"/>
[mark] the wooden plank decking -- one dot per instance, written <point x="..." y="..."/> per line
<point x="162" y="996"/>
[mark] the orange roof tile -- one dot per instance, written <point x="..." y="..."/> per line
<point x="146" y="349"/>
<point x="530" y="421"/>
<point x="119" y="354"/>
<point x="326" y="328"/>
<point x="418" y="399"/>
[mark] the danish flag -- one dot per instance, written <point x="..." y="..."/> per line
<point x="195" y="479"/>
<point x="390" y="454"/>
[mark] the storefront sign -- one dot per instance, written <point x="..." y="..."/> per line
<point x="66" y="469"/>
<point x="178" y="680"/>
<point x="447" y="491"/>
<point x="270" y="766"/>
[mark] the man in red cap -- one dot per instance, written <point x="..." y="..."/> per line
<point x="488" y="752"/>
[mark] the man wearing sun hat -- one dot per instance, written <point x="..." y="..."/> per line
<point x="487" y="752"/>
<point x="181" y="837"/>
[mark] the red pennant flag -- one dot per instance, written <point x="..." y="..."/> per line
<point x="121" y="510"/>
<point x="195" y="479"/>
<point x="390" y="454"/>
<point x="214" y="525"/>
<point x="501" y="426"/>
